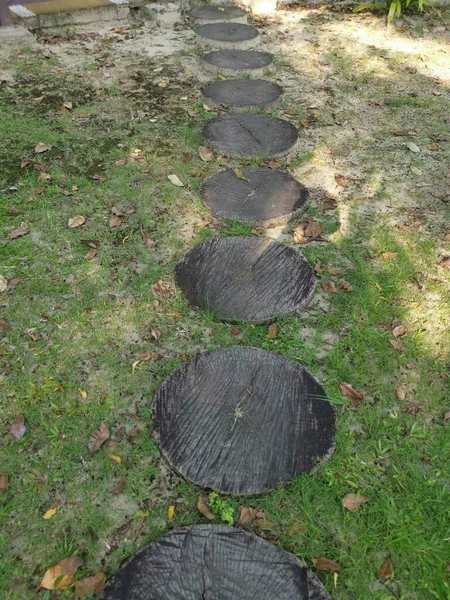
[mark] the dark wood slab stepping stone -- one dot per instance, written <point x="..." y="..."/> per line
<point x="232" y="61"/>
<point x="250" y="135"/>
<point x="265" y="197"/>
<point x="228" y="35"/>
<point x="211" y="14"/>
<point x="213" y="562"/>
<point x="243" y="93"/>
<point x="243" y="420"/>
<point x="245" y="278"/>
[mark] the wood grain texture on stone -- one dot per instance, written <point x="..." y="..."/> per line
<point x="244" y="93"/>
<point x="265" y="197"/>
<point x="213" y="562"/>
<point x="245" y="278"/>
<point x="250" y="135"/>
<point x="228" y="35"/>
<point x="223" y="13"/>
<point x="243" y="420"/>
<point x="230" y="62"/>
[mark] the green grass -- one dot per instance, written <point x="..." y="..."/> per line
<point x="79" y="324"/>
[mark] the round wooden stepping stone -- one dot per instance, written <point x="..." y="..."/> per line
<point x="244" y="93"/>
<point x="224" y="35"/>
<point x="232" y="61"/>
<point x="250" y="135"/>
<point x="213" y="561"/>
<point x="265" y="197"/>
<point x="243" y="420"/>
<point x="224" y="13"/>
<point x="245" y="278"/>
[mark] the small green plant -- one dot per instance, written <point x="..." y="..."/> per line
<point x="221" y="507"/>
<point x="394" y="8"/>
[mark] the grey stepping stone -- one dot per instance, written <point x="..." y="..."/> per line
<point x="244" y="93"/>
<point x="224" y="13"/>
<point x="217" y="562"/>
<point x="245" y="278"/>
<point x="250" y="135"/>
<point x="230" y="62"/>
<point x="243" y="420"/>
<point x="265" y="197"/>
<point x="228" y="35"/>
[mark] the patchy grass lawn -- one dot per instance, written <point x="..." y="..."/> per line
<point x="92" y="323"/>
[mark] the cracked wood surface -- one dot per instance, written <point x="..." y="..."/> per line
<point x="244" y="92"/>
<point x="243" y="420"/>
<point x="265" y="197"/>
<point x="250" y="135"/>
<point x="213" y="562"/>
<point x="245" y="278"/>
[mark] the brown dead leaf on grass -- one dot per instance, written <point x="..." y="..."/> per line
<point x="386" y="570"/>
<point x="119" y="487"/>
<point x="203" y="507"/>
<point x="329" y="287"/>
<point x="444" y="261"/>
<point x="18" y="232"/>
<point x="397" y="345"/>
<point x="5" y="325"/>
<point x="344" y="285"/>
<point x="94" y="584"/>
<point x="388" y="255"/>
<point x="272" y="331"/>
<point x="399" y="331"/>
<point x="205" y="154"/>
<point x="247" y="513"/>
<point x="76" y="221"/>
<point x="400" y="393"/>
<point x="98" y="438"/>
<point x="40" y="148"/>
<point x="348" y="391"/>
<point x="116" y="221"/>
<point x="18" y="428"/>
<point x="61" y="575"/>
<point x="99" y="178"/>
<point x="239" y="174"/>
<point x="325" y="564"/>
<point x="306" y="231"/>
<point x="4" y="482"/>
<point x="353" y="501"/>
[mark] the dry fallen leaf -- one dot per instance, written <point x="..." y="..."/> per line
<point x="4" y="482"/>
<point x="388" y="255"/>
<point x="353" y="501"/>
<point x="94" y="584"/>
<point x="115" y="459"/>
<point x="68" y="105"/>
<point x="205" y="154"/>
<point x="306" y="231"/>
<point x="239" y="174"/>
<point x="18" y="232"/>
<point x="272" y="331"/>
<point x="397" y="345"/>
<point x="329" y="287"/>
<point x="386" y="569"/>
<point x="325" y="564"/>
<point x="5" y="325"/>
<point x="3" y="284"/>
<point x="412" y="146"/>
<point x="175" y="180"/>
<point x="273" y="164"/>
<point x="18" y="428"/>
<point x="399" y="331"/>
<point x="344" y="285"/>
<point x="347" y="390"/>
<point x="116" y="221"/>
<point x="99" y="178"/>
<point x="76" y="221"/>
<point x="235" y="331"/>
<point x="170" y="513"/>
<point x="51" y="512"/>
<point x="90" y="255"/>
<point x="204" y="508"/>
<point x="61" y="575"/>
<point x="119" y="487"/>
<point x="400" y="393"/>
<point x="246" y="514"/>
<point x="98" y="438"/>
<point x="40" y="147"/>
